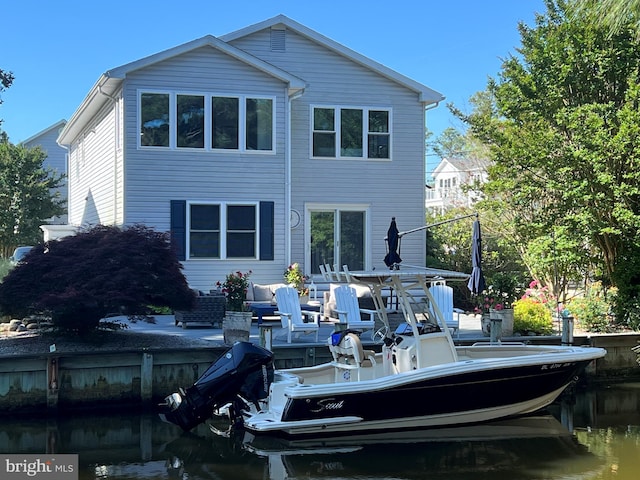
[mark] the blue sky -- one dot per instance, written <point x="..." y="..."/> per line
<point x="57" y="50"/>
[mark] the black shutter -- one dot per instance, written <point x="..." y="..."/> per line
<point x="179" y="227"/>
<point x="267" y="230"/>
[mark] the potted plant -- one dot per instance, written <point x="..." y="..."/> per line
<point x="294" y="277"/>
<point x="236" y="325"/>
<point x="496" y="303"/>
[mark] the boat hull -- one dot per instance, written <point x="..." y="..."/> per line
<point x="462" y="393"/>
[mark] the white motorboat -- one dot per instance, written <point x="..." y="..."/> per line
<point x="419" y="379"/>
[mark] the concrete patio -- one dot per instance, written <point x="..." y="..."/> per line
<point x="470" y="330"/>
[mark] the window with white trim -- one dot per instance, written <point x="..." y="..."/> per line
<point x="351" y="132"/>
<point x="222" y="230"/>
<point x="242" y="123"/>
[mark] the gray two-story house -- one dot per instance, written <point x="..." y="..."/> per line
<point x="270" y="145"/>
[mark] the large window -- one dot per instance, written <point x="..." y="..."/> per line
<point x="154" y="120"/>
<point x="259" y="124"/>
<point x="338" y="236"/>
<point x="176" y="120"/>
<point x="204" y="231"/>
<point x="190" y="121"/>
<point x="225" y="115"/>
<point x="222" y="230"/>
<point x="350" y="132"/>
<point x="241" y="231"/>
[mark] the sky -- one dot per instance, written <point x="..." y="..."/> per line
<point x="58" y="50"/>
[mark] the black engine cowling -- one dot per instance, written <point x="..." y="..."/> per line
<point x="244" y="369"/>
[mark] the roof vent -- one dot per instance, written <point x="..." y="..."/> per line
<point x="278" y="39"/>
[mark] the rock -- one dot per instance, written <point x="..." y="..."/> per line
<point x="14" y="324"/>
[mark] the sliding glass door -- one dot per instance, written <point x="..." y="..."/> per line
<point x="338" y="236"/>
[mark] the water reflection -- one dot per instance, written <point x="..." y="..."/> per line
<point x="595" y="435"/>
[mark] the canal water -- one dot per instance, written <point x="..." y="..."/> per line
<point x="593" y="434"/>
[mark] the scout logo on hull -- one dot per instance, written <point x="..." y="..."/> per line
<point x="328" y="404"/>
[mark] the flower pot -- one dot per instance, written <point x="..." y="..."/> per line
<point x="304" y="299"/>
<point x="236" y="327"/>
<point x="485" y="323"/>
<point x="506" y="315"/>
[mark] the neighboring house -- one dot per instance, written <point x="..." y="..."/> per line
<point x="263" y="147"/>
<point x="451" y="177"/>
<point x="56" y="158"/>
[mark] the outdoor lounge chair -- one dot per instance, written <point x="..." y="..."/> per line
<point x="292" y="316"/>
<point x="349" y="311"/>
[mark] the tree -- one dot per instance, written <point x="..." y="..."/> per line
<point x="612" y="14"/>
<point x="450" y="144"/>
<point x="27" y="195"/>
<point x="6" y="79"/>
<point x="565" y="135"/>
<point x="78" y="280"/>
<point x="449" y="247"/>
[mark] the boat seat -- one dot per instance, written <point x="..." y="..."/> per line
<point x="349" y="351"/>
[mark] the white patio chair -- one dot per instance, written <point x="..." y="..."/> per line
<point x="325" y="274"/>
<point x="346" y="273"/>
<point x="338" y="274"/>
<point x="443" y="296"/>
<point x="349" y="310"/>
<point x="291" y="315"/>
<point x="331" y="275"/>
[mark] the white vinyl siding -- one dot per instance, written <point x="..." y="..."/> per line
<point x="96" y="171"/>
<point x="155" y="176"/>
<point x="392" y="187"/>
<point x="116" y="180"/>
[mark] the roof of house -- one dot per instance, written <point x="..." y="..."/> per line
<point x="110" y="81"/>
<point x="56" y="126"/>
<point x="426" y="94"/>
<point x="461" y="165"/>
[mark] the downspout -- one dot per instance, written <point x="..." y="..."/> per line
<point x="287" y="185"/>
<point x="67" y="167"/>
<point x="287" y="181"/>
<point x="424" y="155"/>
<point x="114" y="102"/>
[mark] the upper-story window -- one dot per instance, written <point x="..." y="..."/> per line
<point x="154" y="119"/>
<point x="190" y="121"/>
<point x="176" y="120"/>
<point x="341" y="132"/>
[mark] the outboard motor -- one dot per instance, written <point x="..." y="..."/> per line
<point x="244" y="369"/>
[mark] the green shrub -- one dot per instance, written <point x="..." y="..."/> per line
<point x="590" y="313"/>
<point x="5" y="266"/>
<point x="531" y="316"/>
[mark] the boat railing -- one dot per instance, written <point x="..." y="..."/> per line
<point x="498" y="344"/>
